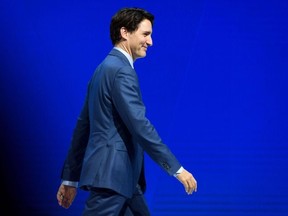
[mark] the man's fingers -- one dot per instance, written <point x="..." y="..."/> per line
<point x="64" y="202"/>
<point x="188" y="181"/>
<point x="191" y="186"/>
<point x="195" y="186"/>
<point x="60" y="196"/>
<point x="186" y="186"/>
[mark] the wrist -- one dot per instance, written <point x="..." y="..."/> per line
<point x="179" y="171"/>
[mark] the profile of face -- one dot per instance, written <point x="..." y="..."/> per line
<point x="138" y="41"/>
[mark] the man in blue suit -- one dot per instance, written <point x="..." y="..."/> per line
<point x="112" y="132"/>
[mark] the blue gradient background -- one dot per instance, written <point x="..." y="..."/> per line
<point x="214" y="83"/>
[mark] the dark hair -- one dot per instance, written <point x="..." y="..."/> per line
<point x="128" y="18"/>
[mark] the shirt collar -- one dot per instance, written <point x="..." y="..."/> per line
<point x="127" y="56"/>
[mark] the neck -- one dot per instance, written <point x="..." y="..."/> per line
<point x="126" y="49"/>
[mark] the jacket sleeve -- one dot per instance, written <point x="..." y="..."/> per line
<point x="73" y="164"/>
<point x="127" y="99"/>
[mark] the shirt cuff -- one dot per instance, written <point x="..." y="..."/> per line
<point x="179" y="171"/>
<point x="70" y="183"/>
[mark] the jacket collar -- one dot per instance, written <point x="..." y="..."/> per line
<point x="121" y="54"/>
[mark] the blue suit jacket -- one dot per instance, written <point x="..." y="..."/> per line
<point x="112" y="131"/>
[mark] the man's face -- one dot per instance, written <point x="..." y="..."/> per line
<point x="140" y="39"/>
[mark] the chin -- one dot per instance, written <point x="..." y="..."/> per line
<point x="143" y="55"/>
<point x="140" y="56"/>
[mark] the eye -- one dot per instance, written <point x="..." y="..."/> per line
<point x="146" y="34"/>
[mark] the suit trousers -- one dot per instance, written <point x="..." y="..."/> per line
<point x="106" y="202"/>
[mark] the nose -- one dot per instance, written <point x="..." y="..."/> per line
<point x="149" y="41"/>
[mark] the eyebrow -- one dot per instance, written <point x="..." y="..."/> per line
<point x="147" y="32"/>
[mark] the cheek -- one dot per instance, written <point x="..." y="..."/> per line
<point x="142" y="43"/>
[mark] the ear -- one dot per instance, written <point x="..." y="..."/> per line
<point x="124" y="33"/>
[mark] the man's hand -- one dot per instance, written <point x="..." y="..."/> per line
<point x="188" y="181"/>
<point x="66" y="195"/>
